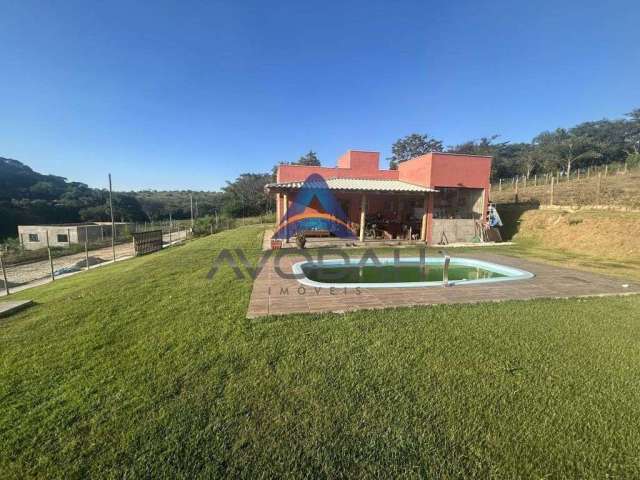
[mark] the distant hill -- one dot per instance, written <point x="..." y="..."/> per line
<point x="28" y="197"/>
<point x="157" y="204"/>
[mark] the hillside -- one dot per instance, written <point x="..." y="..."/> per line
<point x="28" y="197"/>
<point x="617" y="189"/>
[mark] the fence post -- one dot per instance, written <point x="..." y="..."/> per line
<point x="4" y="275"/>
<point x="551" y="192"/>
<point x="500" y="187"/>
<point x="516" y="187"/>
<point x="535" y="180"/>
<point x="53" y="277"/>
<point x="598" y="188"/>
<point x="86" y="246"/>
<point x="606" y="170"/>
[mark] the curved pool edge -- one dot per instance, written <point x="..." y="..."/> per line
<point x="512" y="273"/>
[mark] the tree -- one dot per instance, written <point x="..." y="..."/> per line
<point x="528" y="160"/>
<point x="565" y="148"/>
<point x="632" y="133"/>
<point x="412" y="146"/>
<point x="310" y="159"/>
<point x="484" y="146"/>
<point x="245" y="196"/>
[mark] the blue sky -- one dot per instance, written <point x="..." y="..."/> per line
<point x="187" y="95"/>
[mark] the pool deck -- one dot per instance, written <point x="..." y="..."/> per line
<point x="273" y="295"/>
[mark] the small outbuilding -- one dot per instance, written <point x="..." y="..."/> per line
<point x="431" y="198"/>
<point x="33" y="237"/>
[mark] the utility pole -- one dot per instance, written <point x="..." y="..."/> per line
<point x="113" y="223"/>
<point x="191" y="198"/>
<point x="4" y="275"/>
<point x="53" y="276"/>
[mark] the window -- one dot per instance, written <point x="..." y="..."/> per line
<point x="63" y="238"/>
<point x="33" y="237"/>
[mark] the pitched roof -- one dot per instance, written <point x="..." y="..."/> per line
<point x="355" y="184"/>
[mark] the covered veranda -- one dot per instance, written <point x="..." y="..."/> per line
<point x="371" y="210"/>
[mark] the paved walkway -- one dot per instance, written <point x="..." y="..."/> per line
<point x="9" y="308"/>
<point x="273" y="295"/>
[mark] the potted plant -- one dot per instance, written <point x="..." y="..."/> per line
<point x="301" y="240"/>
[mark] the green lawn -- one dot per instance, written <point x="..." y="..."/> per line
<point x="147" y="369"/>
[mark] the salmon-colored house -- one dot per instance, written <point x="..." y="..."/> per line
<point x="432" y="198"/>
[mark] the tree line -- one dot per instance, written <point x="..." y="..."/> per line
<point x="561" y="150"/>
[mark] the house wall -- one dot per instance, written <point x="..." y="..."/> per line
<point x="41" y="232"/>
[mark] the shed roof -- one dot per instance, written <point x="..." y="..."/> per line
<point x="354" y="184"/>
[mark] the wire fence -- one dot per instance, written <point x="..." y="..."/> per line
<point x="598" y="186"/>
<point x="80" y="248"/>
<point x="47" y="253"/>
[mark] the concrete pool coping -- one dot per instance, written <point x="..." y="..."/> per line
<point x="273" y="295"/>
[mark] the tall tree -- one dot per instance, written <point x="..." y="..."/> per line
<point x="310" y="159"/>
<point x="566" y="148"/>
<point x="245" y="196"/>
<point x="412" y="146"/>
<point x="484" y="146"/>
<point x="632" y="132"/>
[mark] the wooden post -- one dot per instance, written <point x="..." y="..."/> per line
<point x="170" y="227"/>
<point x="516" y="188"/>
<point x="551" y="192"/>
<point x="53" y="277"/>
<point x="577" y="174"/>
<point x="191" y="200"/>
<point x="285" y="207"/>
<point x="86" y="247"/>
<point x="535" y="180"/>
<point x="500" y="186"/>
<point x="4" y="275"/>
<point x="423" y="227"/>
<point x="606" y="170"/>
<point x="598" y="188"/>
<point x="363" y="210"/>
<point x="525" y="183"/>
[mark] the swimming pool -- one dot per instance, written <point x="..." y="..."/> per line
<point x="406" y="272"/>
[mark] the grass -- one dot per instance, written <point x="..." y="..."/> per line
<point x="147" y="369"/>
<point x="616" y="190"/>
